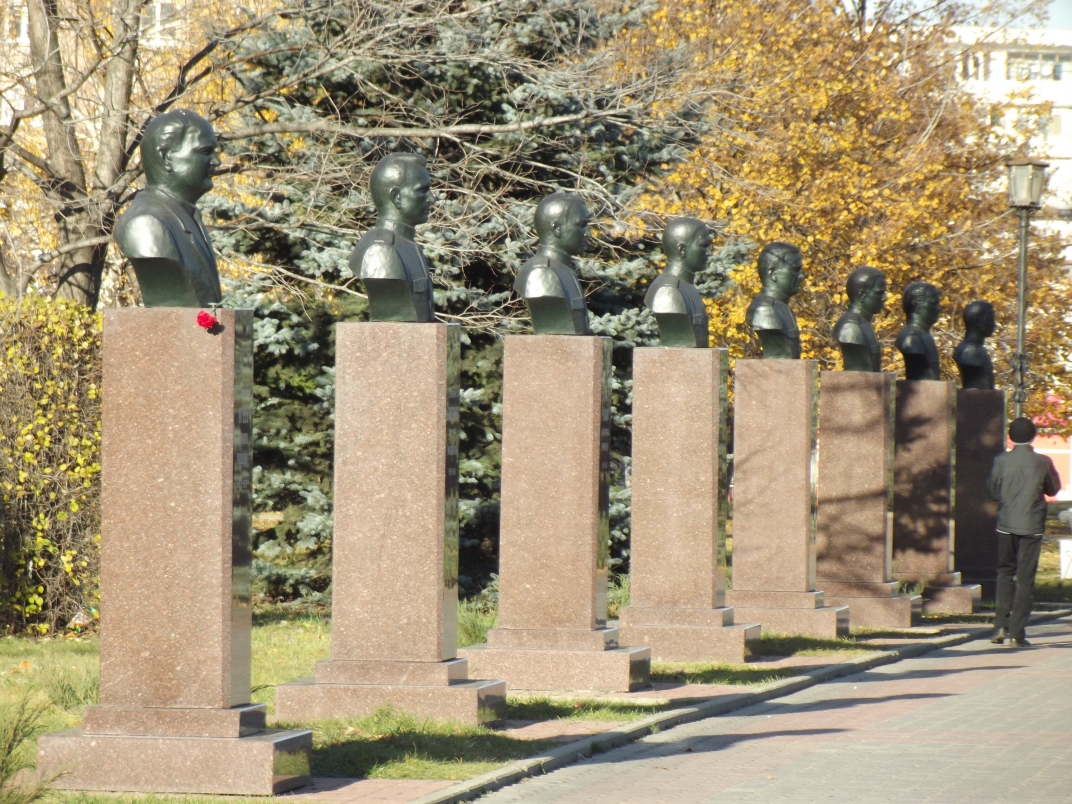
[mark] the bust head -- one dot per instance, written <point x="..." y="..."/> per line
<point x="780" y="269"/>
<point x="979" y="318"/>
<point x="687" y="246"/>
<point x="402" y="188"/>
<point x="179" y="154"/>
<point x="922" y="304"/>
<point x="561" y="223"/>
<point x="866" y="288"/>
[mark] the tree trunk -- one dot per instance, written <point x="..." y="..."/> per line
<point x="77" y="216"/>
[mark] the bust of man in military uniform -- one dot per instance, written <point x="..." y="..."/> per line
<point x="547" y="282"/>
<point x="161" y="231"/>
<point x="678" y="306"/>
<point x="860" y="351"/>
<point x="386" y="258"/>
<point x="971" y="356"/>
<point x="781" y="272"/>
<point x="922" y="304"/>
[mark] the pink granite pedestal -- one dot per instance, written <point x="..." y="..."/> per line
<point x="856" y="418"/>
<point x="678" y="536"/>
<point x="923" y="534"/>
<point x="395" y="550"/>
<point x="774" y="501"/>
<point x="981" y="426"/>
<point x="554" y="532"/>
<point x="175" y="712"/>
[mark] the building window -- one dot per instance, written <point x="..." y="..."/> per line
<point x="16" y="21"/>
<point x="972" y="67"/>
<point x="1038" y="66"/>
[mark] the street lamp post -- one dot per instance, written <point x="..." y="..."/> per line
<point x="1027" y="177"/>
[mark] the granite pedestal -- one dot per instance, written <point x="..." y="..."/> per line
<point x="923" y="535"/>
<point x="395" y="551"/>
<point x="678" y="537"/>
<point x="554" y="532"/>
<point x="175" y="712"/>
<point x="856" y="418"/>
<point x="774" y="502"/>
<point x="981" y="430"/>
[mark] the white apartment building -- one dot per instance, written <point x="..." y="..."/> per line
<point x="1029" y="67"/>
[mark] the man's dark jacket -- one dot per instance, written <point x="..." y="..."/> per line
<point x="1019" y="480"/>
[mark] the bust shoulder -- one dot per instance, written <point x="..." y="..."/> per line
<point x="971" y="354"/>
<point x="375" y="256"/>
<point x="665" y="296"/>
<point x="848" y="329"/>
<point x="763" y="314"/>
<point x="538" y="279"/>
<point x="143" y="231"/>
<point x="911" y="340"/>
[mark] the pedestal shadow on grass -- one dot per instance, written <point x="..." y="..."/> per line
<point x="393" y="745"/>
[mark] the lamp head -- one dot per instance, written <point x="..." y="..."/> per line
<point x="1027" y="179"/>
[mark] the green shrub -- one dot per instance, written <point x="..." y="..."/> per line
<point x="50" y="376"/>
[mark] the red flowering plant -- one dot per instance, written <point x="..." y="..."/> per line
<point x="206" y="320"/>
<point x="1053" y="419"/>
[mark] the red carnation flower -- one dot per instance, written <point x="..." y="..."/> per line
<point x="205" y="320"/>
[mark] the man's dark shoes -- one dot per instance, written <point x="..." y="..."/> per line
<point x="1021" y="643"/>
<point x="999" y="636"/>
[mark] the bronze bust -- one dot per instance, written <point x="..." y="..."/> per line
<point x="921" y="305"/>
<point x="781" y="272"/>
<point x="161" y="231"/>
<point x="546" y="282"/>
<point x="860" y="351"/>
<point x="388" y="261"/>
<point x="677" y="305"/>
<point x="971" y="356"/>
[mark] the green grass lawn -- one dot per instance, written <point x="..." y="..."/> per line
<point x="1048" y="584"/>
<point x="61" y="676"/>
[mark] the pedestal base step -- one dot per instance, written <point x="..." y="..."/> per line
<point x="963" y="599"/>
<point x="826" y="622"/>
<point x="260" y="765"/>
<point x="614" y="670"/>
<point x="695" y="643"/>
<point x="678" y="615"/>
<point x="472" y="702"/>
<point x="902" y="611"/>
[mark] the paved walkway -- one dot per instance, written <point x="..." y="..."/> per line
<point x="976" y="723"/>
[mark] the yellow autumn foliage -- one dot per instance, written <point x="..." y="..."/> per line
<point x="50" y="442"/>
<point x="861" y="148"/>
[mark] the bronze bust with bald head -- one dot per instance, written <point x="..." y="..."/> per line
<point x="547" y="282"/>
<point x="161" y="231"/>
<point x="672" y="297"/>
<point x="860" y="351"/>
<point x="386" y="258"/>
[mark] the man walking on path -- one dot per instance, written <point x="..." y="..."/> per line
<point x="1019" y="480"/>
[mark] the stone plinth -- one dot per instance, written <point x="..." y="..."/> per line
<point x="856" y="418"/>
<point x="678" y="536"/>
<point x="175" y="711"/>
<point x="554" y="531"/>
<point x="922" y="496"/>
<point x="980" y="438"/>
<point x="774" y="503"/>
<point x="395" y="550"/>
